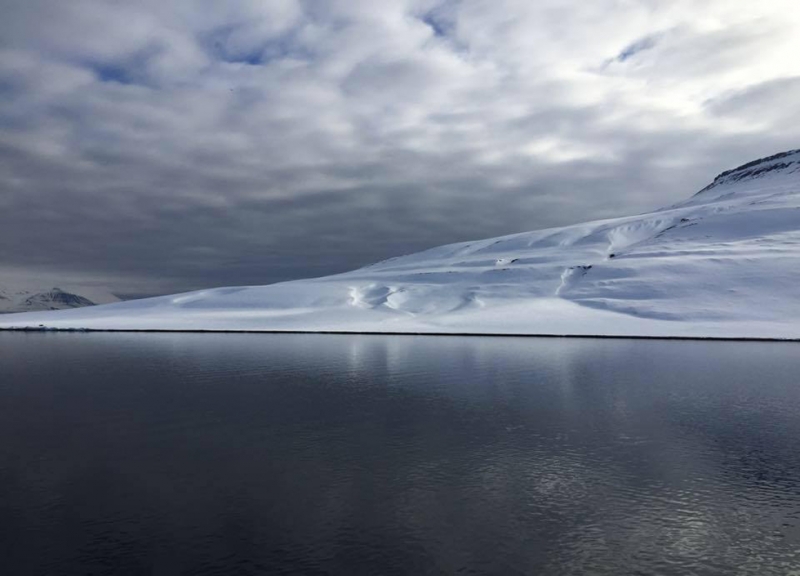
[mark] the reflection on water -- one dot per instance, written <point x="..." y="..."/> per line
<point x="302" y="454"/>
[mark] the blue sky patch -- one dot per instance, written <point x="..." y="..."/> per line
<point x="278" y="48"/>
<point x="646" y="43"/>
<point x="439" y="26"/>
<point x="112" y="73"/>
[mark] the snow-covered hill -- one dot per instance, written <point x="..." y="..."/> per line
<point x="27" y="300"/>
<point x="724" y="263"/>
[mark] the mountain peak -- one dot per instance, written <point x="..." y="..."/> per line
<point x="55" y="298"/>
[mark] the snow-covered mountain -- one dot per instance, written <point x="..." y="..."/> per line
<point x="724" y="263"/>
<point x="26" y="300"/>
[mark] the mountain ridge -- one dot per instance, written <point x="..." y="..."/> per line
<point x="756" y="168"/>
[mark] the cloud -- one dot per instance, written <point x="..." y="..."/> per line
<point x="766" y="107"/>
<point x="178" y="145"/>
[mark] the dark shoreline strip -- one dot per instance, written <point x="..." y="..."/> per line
<point x="372" y="333"/>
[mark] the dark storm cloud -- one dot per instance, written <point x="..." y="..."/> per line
<point x="163" y="146"/>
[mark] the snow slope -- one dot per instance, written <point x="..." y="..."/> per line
<point x="725" y="263"/>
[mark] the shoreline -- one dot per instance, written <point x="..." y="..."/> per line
<point x="376" y="333"/>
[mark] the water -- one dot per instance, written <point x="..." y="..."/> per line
<point x="300" y="454"/>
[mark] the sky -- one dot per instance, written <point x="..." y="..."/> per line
<point x="165" y="145"/>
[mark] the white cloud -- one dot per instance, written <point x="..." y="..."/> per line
<point x="548" y="111"/>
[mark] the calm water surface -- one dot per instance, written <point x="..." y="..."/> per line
<point x="300" y="454"/>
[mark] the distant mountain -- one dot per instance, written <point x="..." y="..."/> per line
<point x="21" y="300"/>
<point x="725" y="263"/>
